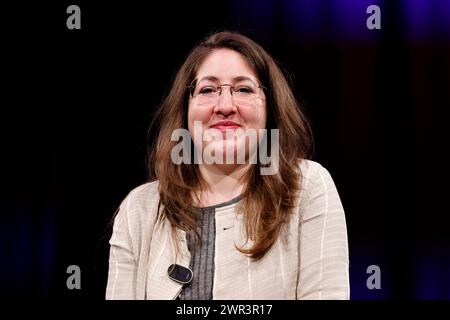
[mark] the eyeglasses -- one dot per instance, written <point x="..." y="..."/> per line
<point x="207" y="91"/>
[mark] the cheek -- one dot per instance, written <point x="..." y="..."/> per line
<point x="254" y="118"/>
<point x="198" y="114"/>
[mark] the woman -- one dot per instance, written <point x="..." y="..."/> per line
<point x="212" y="229"/>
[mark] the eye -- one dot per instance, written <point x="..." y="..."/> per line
<point x="244" y="89"/>
<point x="207" y="90"/>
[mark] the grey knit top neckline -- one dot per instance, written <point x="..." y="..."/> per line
<point x="223" y="204"/>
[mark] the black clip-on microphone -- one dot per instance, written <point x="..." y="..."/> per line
<point x="180" y="274"/>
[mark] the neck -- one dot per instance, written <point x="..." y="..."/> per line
<point x="223" y="182"/>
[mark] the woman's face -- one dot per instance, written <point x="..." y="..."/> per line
<point x="228" y="114"/>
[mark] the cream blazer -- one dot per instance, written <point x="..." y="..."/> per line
<point x="308" y="261"/>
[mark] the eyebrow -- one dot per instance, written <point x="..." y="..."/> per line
<point x="235" y="79"/>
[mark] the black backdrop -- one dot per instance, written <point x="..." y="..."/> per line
<point x="76" y="105"/>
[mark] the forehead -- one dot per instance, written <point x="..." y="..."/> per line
<point x="225" y="65"/>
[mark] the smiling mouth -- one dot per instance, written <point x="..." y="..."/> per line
<point x="226" y="127"/>
<point x="223" y="126"/>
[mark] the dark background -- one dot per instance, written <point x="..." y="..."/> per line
<point x="76" y="104"/>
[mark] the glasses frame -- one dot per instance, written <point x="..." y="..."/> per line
<point x="192" y="87"/>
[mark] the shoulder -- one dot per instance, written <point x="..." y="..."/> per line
<point x="140" y="204"/>
<point x="318" y="190"/>
<point x="312" y="173"/>
<point x="143" y="195"/>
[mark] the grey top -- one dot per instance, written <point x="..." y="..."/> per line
<point x="202" y="259"/>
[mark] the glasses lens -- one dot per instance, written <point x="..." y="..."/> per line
<point x="244" y="92"/>
<point x="206" y="92"/>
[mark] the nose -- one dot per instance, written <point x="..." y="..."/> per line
<point x="225" y="102"/>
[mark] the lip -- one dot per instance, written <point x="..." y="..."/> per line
<point x="225" y="125"/>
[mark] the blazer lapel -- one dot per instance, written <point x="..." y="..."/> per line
<point x="162" y="254"/>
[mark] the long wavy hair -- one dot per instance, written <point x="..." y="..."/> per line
<point x="268" y="200"/>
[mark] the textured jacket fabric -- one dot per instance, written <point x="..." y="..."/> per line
<point x="308" y="261"/>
